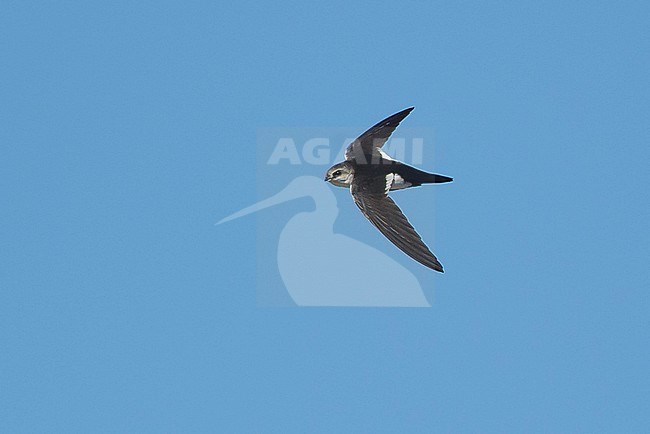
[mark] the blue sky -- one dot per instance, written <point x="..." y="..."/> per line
<point x="129" y="129"/>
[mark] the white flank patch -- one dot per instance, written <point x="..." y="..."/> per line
<point x="385" y="155"/>
<point x="389" y="181"/>
<point x="399" y="183"/>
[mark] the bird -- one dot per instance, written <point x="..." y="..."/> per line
<point x="371" y="174"/>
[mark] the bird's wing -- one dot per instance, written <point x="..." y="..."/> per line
<point x="367" y="144"/>
<point x="389" y="219"/>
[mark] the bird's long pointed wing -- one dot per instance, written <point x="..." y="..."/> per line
<point x="363" y="146"/>
<point x="389" y="219"/>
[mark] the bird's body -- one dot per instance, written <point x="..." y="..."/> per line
<point x="371" y="174"/>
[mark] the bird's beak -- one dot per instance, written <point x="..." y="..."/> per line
<point x="287" y="194"/>
<point x="327" y="178"/>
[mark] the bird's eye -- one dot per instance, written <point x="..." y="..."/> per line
<point x="337" y="173"/>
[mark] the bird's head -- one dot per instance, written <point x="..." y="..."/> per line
<point x="340" y="174"/>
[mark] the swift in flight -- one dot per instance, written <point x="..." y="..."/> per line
<point x="370" y="174"/>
